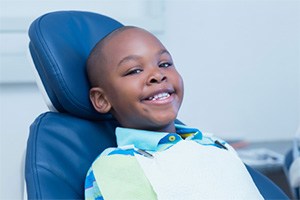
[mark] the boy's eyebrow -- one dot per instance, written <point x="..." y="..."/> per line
<point x="128" y="58"/>
<point x="135" y="57"/>
<point x="163" y="51"/>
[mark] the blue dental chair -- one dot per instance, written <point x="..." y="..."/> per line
<point x="65" y="141"/>
<point x="292" y="167"/>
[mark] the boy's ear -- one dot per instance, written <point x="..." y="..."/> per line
<point x="99" y="100"/>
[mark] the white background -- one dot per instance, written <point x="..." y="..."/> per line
<point x="239" y="59"/>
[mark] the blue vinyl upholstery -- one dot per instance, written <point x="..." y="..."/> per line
<point x="62" y="145"/>
<point x="60" y="150"/>
<point x="289" y="159"/>
<point x="60" y="43"/>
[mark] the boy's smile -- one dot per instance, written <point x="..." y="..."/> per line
<point x="142" y="88"/>
<point x="160" y="97"/>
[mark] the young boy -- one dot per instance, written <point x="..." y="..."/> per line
<point x="134" y="78"/>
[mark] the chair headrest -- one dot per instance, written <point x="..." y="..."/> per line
<point x="60" y="43"/>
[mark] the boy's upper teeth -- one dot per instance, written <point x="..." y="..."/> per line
<point x="159" y="96"/>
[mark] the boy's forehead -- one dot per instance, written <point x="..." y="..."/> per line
<point x="127" y="34"/>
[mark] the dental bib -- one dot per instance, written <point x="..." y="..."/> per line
<point x="190" y="171"/>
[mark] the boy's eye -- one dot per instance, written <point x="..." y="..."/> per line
<point x="165" y="65"/>
<point x="134" y="71"/>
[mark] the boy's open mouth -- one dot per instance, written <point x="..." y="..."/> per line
<point x="159" y="96"/>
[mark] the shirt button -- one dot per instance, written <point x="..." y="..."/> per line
<point x="172" y="138"/>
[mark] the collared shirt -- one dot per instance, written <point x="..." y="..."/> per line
<point x="133" y="141"/>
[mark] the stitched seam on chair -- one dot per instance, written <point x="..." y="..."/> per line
<point x="35" y="166"/>
<point x="34" y="155"/>
<point x="42" y="43"/>
<point x="60" y="177"/>
<point x="63" y="83"/>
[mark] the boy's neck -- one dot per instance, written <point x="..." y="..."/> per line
<point x="170" y="128"/>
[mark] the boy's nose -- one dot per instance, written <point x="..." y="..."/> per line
<point x="156" y="77"/>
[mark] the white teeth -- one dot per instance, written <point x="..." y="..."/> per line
<point x="160" y="96"/>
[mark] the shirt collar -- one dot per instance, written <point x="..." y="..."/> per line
<point x="149" y="140"/>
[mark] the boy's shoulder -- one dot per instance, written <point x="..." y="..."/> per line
<point x="117" y="168"/>
<point x="113" y="152"/>
<point x="118" y="151"/>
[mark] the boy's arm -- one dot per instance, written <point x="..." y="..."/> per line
<point x="92" y="190"/>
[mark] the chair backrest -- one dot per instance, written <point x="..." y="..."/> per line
<point x="292" y="167"/>
<point x="58" y="157"/>
<point x="60" y="43"/>
<point x="62" y="145"/>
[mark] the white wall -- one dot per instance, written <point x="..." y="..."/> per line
<point x="239" y="60"/>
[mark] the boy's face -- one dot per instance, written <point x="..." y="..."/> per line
<point x="142" y="85"/>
